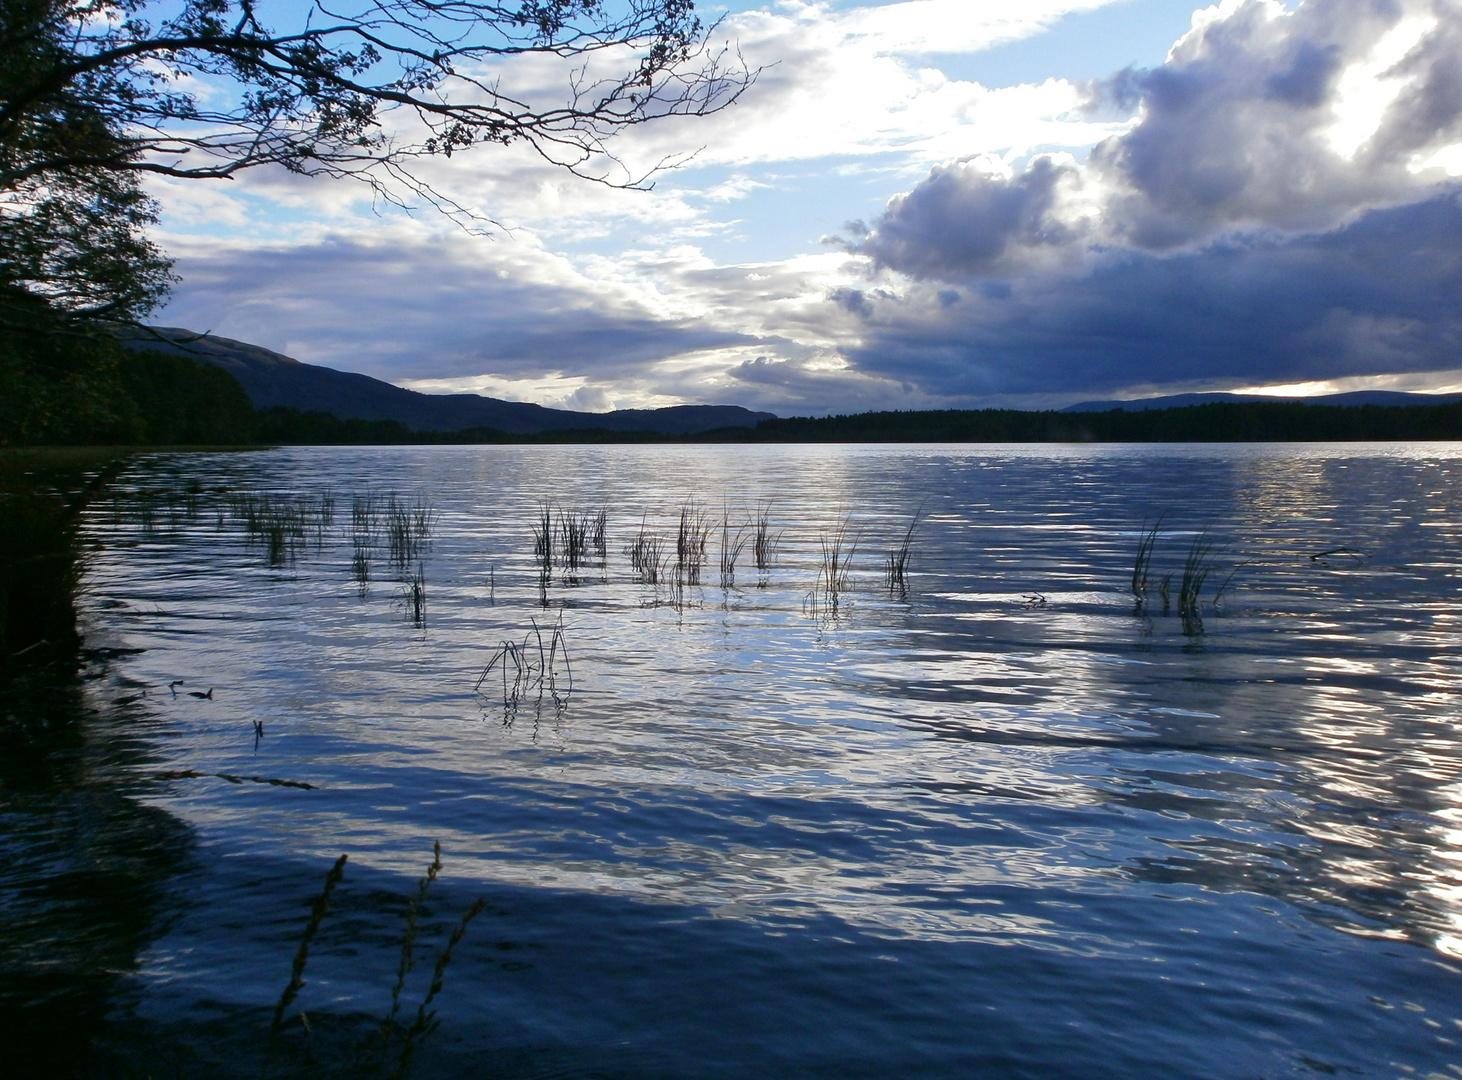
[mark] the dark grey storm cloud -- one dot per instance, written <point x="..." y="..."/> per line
<point x="1379" y="296"/>
<point x="1273" y="214"/>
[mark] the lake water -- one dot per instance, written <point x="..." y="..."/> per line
<point x="1002" y="822"/>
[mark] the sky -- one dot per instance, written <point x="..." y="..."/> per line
<point x="917" y="204"/>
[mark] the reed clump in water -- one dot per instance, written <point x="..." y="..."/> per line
<point x="360" y="568"/>
<point x="582" y="539"/>
<point x="529" y="668"/>
<point x="543" y="538"/>
<point x="283" y="524"/>
<point x="690" y="543"/>
<point x="365" y="532"/>
<point x="647" y="555"/>
<point x="408" y="529"/>
<point x="573" y="539"/>
<point x="837" y="547"/>
<point x="1199" y="564"/>
<point x="158" y="512"/>
<point x="896" y="563"/>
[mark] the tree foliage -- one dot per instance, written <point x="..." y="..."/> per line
<point x="96" y="93"/>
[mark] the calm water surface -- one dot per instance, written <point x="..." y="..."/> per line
<point x="998" y="825"/>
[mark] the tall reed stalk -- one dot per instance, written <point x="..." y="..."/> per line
<point x="1196" y="568"/>
<point x="896" y="564"/>
<point x="1142" y="567"/>
<point x="426" y="1017"/>
<point x="732" y="544"/>
<point x="838" y="546"/>
<point x="318" y="909"/>
<point x="408" y="947"/>
<point x="373" y="1057"/>
<point x="284" y="524"/>
<point x="764" y="541"/>
<point x="413" y="596"/>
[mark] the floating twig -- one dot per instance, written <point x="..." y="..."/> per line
<point x="233" y="778"/>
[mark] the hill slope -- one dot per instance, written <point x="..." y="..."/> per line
<point x="272" y="379"/>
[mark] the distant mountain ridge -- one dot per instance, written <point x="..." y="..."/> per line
<point x="1179" y="401"/>
<point x="272" y="380"/>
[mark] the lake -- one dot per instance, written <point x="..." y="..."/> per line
<point x="1000" y="819"/>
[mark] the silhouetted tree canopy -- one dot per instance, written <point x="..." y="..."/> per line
<point x="95" y="93"/>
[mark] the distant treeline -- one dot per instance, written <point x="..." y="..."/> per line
<point x="1219" y="422"/>
<point x="61" y="387"/>
<point x="1259" y="421"/>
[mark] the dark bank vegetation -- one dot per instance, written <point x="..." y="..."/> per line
<point x="64" y="384"/>
<point x="42" y="557"/>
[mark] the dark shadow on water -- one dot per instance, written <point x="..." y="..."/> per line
<point x="84" y="874"/>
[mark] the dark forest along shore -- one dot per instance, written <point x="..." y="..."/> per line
<point x="794" y="761"/>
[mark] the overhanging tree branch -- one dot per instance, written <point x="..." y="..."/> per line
<point x="93" y="95"/>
